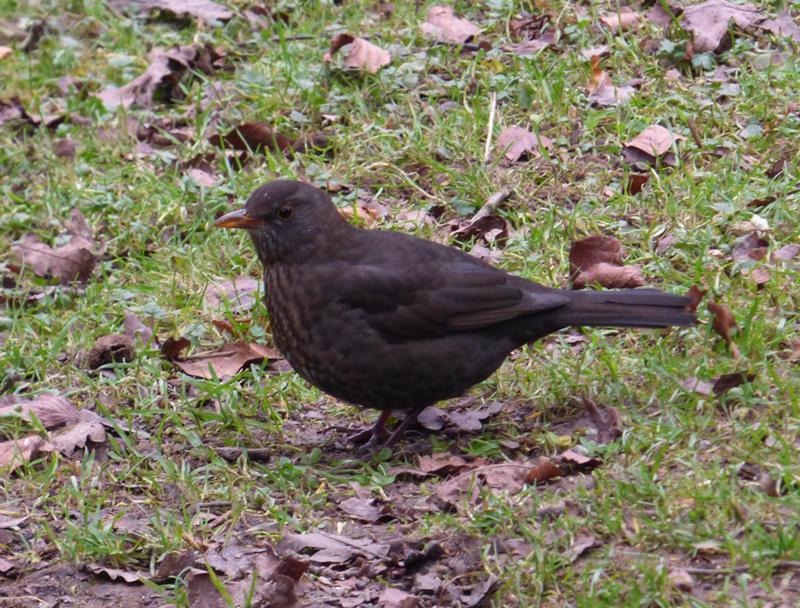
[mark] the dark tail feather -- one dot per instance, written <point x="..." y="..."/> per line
<point x="625" y="308"/>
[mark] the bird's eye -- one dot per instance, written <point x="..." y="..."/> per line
<point x="285" y="212"/>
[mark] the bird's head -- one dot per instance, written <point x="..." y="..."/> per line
<point x="286" y="220"/>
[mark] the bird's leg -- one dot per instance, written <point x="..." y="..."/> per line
<point x="410" y="419"/>
<point x="376" y="433"/>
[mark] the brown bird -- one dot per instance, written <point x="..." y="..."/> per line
<point x="389" y="321"/>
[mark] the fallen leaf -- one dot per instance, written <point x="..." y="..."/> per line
<point x="164" y="73"/>
<point x="760" y="275"/>
<point x="529" y="47"/>
<point x="528" y="27"/>
<point x="174" y="563"/>
<point x="226" y="361"/>
<point x="444" y="463"/>
<point x="5" y="51"/>
<point x="602" y="91"/>
<point x="581" y="544"/>
<point x="728" y="381"/>
<point x="74" y="261"/>
<point x="64" y="148"/>
<point x="202" y="177"/>
<point x="575" y="461"/>
<point x="361" y="54"/>
<point x="509" y="477"/>
<point x="598" y="260"/>
<point x="606" y="419"/>
<point x="172" y="347"/>
<point x="432" y="418"/>
<point x="203" y="593"/>
<point x="681" y="579"/>
<point x="252" y="136"/>
<point x="595" y="51"/>
<point x="202" y="9"/>
<point x="129" y="576"/>
<point x="709" y="21"/>
<point x="694" y="385"/>
<point x="517" y="143"/>
<point x="363" y="509"/>
<point x="442" y="24"/>
<point x="786" y="253"/>
<point x="661" y="16"/>
<point x="751" y="247"/>
<point x="239" y="294"/>
<point x="623" y="19"/>
<point x="695" y="295"/>
<point x="77" y="436"/>
<point x="782" y="26"/>
<point x="330" y="548"/>
<point x="113" y="348"/>
<point x="651" y="145"/>
<point x="232" y="454"/>
<point x="396" y="598"/>
<point x="7" y="568"/>
<point x="475" y="595"/>
<point x="49" y="409"/>
<point x="633" y="186"/>
<point x="724" y="324"/>
<point x="756" y="223"/>
<point x="544" y="470"/>
<point x="136" y="330"/>
<point x="16" y="452"/>
<point x="12" y="522"/>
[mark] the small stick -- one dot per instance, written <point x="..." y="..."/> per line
<point x="491" y="205"/>
<point x="488" y="147"/>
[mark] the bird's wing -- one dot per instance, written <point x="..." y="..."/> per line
<point x="427" y="302"/>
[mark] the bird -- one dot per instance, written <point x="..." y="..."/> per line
<point x="388" y="321"/>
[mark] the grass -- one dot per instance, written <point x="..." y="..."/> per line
<point x="669" y="492"/>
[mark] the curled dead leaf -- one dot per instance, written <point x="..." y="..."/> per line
<point x="16" y="452"/>
<point x="623" y="19"/>
<point x="442" y="25"/>
<point x="361" y="53"/>
<point x="74" y="261"/>
<point x="652" y="145"/>
<point x="724" y="324"/>
<point x="226" y="361"/>
<point x="598" y="260"/>
<point x="253" y="136"/>
<point x="517" y="143"/>
<point x="709" y="21"/>
<point x="544" y="470"/>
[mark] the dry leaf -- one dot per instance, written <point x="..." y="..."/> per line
<point x="544" y="470"/>
<point x="172" y="347"/>
<point x="362" y="509"/>
<point x="724" y="324"/>
<point x="136" y="330"/>
<point x="163" y="73"/>
<point x="681" y="579"/>
<point x="443" y="463"/>
<point x="16" y="452"/>
<point x="529" y="47"/>
<point x="751" y="247"/>
<point x="239" y="294"/>
<point x="696" y="295"/>
<point x="624" y="19"/>
<point x="782" y="26"/>
<point x="129" y="576"/>
<point x="78" y="435"/>
<point x="65" y="148"/>
<point x="442" y="24"/>
<point x="396" y="598"/>
<point x="598" y="260"/>
<point x="728" y="381"/>
<point x="517" y="142"/>
<point x="361" y="54"/>
<point x="202" y="9"/>
<point x="74" y="261"/>
<point x="654" y="143"/>
<point x="5" y="52"/>
<point x="225" y="361"/>
<point x="694" y="385"/>
<point x="581" y="545"/>
<point x="709" y="21"/>
<point x="50" y="410"/>
<point x="113" y="348"/>
<point x="786" y="253"/>
<point x="252" y="136"/>
<point x="606" y="419"/>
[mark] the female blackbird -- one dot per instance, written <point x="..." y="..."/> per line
<point x="389" y="321"/>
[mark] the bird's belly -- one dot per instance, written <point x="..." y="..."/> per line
<point x="364" y="369"/>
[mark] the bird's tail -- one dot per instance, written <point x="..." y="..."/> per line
<point x="625" y="308"/>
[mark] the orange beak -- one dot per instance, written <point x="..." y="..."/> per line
<point x="238" y="219"/>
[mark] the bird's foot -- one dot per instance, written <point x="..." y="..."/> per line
<point x="376" y="433"/>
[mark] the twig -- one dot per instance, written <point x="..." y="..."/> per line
<point x="491" y="205"/>
<point x="351" y="544"/>
<point x="695" y="133"/>
<point x="254" y="454"/>
<point x="487" y="149"/>
<point x="783" y="563"/>
<point x="292" y="38"/>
